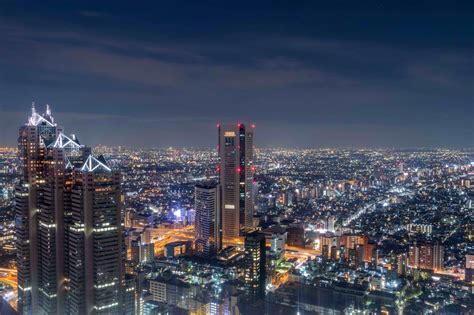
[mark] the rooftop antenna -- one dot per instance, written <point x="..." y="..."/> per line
<point x="33" y="110"/>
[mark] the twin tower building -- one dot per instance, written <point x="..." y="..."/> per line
<point x="69" y="230"/>
<point x="68" y="204"/>
<point x="225" y="209"/>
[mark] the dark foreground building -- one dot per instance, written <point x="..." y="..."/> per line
<point x="255" y="260"/>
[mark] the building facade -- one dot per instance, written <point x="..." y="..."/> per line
<point x="469" y="271"/>
<point x="255" y="264"/>
<point x="33" y="243"/>
<point x="426" y="256"/>
<point x="236" y="170"/>
<point x="208" y="225"/>
<point x="68" y="224"/>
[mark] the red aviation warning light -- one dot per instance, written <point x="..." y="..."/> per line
<point x="253" y="126"/>
<point x="239" y="125"/>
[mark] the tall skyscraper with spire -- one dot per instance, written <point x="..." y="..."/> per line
<point x="33" y="136"/>
<point x="68" y="225"/>
<point x="236" y="170"/>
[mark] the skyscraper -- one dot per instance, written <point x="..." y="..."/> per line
<point x="236" y="177"/>
<point x="95" y="240"/>
<point x="207" y="201"/>
<point x="255" y="260"/>
<point x="68" y="224"/>
<point x="32" y="148"/>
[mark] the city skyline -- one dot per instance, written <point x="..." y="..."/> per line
<point x="210" y="129"/>
<point x="236" y="158"/>
<point x="151" y="231"/>
<point x="328" y="75"/>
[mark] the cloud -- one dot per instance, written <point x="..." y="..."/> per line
<point x="269" y="62"/>
<point x="154" y="84"/>
<point x="92" y="14"/>
<point x="155" y="65"/>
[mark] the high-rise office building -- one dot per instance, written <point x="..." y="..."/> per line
<point x="95" y="240"/>
<point x="236" y="170"/>
<point x="68" y="225"/>
<point x="255" y="260"/>
<point x="32" y="148"/>
<point x="207" y="204"/>
<point x="130" y="295"/>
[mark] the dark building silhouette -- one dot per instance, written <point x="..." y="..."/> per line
<point x="255" y="260"/>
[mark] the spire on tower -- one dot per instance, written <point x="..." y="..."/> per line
<point x="48" y="113"/>
<point x="36" y="118"/>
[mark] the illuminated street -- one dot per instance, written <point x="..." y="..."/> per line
<point x="9" y="277"/>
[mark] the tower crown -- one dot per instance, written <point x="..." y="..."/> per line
<point x="36" y="119"/>
<point x="95" y="164"/>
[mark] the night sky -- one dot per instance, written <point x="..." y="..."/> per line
<point x="308" y="73"/>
